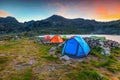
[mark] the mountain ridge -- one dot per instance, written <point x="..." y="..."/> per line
<point x="57" y="24"/>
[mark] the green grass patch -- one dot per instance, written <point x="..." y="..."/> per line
<point x="116" y="51"/>
<point x="96" y="51"/>
<point x="96" y="37"/>
<point x="9" y="45"/>
<point x="44" y="49"/>
<point x="3" y="60"/>
<point x="114" y="68"/>
<point x="105" y="63"/>
<point x="24" y="75"/>
<point x="51" y="58"/>
<point x="86" y="75"/>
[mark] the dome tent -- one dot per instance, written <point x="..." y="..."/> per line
<point x="76" y="47"/>
<point x="47" y="37"/>
<point x="56" y="39"/>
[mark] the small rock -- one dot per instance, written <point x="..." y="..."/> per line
<point x="51" y="69"/>
<point x="106" y="51"/>
<point x="65" y="57"/>
<point x="32" y="61"/>
<point x="3" y="55"/>
<point x="53" y="49"/>
<point x="52" y="52"/>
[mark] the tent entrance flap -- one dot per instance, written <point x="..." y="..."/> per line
<point x="71" y="47"/>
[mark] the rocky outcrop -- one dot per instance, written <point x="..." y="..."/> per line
<point x="97" y="42"/>
<point x="106" y="45"/>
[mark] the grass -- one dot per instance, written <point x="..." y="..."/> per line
<point x="9" y="45"/>
<point x="96" y="51"/>
<point x="51" y="58"/>
<point x="96" y="37"/>
<point x="86" y="75"/>
<point x="23" y="50"/>
<point x="105" y="63"/>
<point x="24" y="75"/>
<point x="3" y="60"/>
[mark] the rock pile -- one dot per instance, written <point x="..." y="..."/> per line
<point x="105" y="45"/>
<point x="97" y="42"/>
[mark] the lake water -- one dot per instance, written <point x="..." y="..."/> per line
<point x="110" y="37"/>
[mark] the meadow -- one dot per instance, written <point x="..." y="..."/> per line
<point x="26" y="59"/>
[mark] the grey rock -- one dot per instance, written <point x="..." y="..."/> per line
<point x="106" y="51"/>
<point x="65" y="57"/>
<point x="3" y="55"/>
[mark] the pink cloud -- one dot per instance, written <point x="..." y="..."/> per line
<point x="96" y="9"/>
<point x="4" y="14"/>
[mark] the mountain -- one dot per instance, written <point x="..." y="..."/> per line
<point x="9" y="24"/>
<point x="56" y="24"/>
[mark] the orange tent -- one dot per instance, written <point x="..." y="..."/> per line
<point x="56" y="39"/>
<point x="47" y="37"/>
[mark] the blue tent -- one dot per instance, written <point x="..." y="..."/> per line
<point x="76" y="47"/>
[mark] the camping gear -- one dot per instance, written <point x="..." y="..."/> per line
<point x="64" y="37"/>
<point x="47" y="37"/>
<point x="96" y="37"/>
<point x="76" y="47"/>
<point x="56" y="39"/>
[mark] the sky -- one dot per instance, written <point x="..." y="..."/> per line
<point x="26" y="10"/>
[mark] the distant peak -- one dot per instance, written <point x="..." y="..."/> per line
<point x="9" y="18"/>
<point x="55" y="17"/>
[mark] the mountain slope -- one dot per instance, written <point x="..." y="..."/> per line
<point x="56" y="24"/>
<point x="59" y="24"/>
<point x="10" y="24"/>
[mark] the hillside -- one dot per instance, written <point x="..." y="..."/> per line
<point x="59" y="25"/>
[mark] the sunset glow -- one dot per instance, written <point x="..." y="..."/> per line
<point x="101" y="10"/>
<point x="4" y="14"/>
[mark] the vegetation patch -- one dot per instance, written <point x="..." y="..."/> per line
<point x="103" y="63"/>
<point x="51" y="57"/>
<point x="9" y="45"/>
<point x="86" y="75"/>
<point x="3" y="61"/>
<point x="96" y="51"/>
<point x="24" y="75"/>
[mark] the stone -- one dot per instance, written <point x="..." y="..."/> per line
<point x="51" y="68"/>
<point x="32" y="61"/>
<point x="65" y="57"/>
<point x="3" y="55"/>
<point x="53" y="49"/>
<point x="106" y="51"/>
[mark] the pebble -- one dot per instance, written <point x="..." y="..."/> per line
<point x="65" y="57"/>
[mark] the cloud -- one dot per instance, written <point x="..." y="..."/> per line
<point x="107" y="14"/>
<point x="4" y="14"/>
<point x="62" y="9"/>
